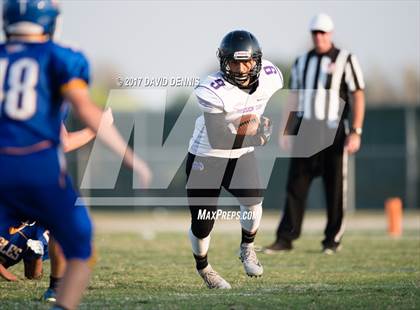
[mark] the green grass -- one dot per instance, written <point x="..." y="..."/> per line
<point x="371" y="272"/>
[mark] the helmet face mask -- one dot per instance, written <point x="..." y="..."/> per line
<point x="240" y="45"/>
<point x="31" y="17"/>
<point x="237" y="78"/>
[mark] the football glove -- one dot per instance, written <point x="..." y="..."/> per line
<point x="36" y="246"/>
<point x="265" y="130"/>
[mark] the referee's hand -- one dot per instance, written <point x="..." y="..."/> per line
<point x="352" y="144"/>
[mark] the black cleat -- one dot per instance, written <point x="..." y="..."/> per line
<point x="278" y="247"/>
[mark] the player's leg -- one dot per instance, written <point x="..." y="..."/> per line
<point x="199" y="235"/>
<point x="75" y="281"/>
<point x="243" y="182"/>
<point x="58" y="267"/>
<point x="38" y="189"/>
<point x="33" y="268"/>
<point x="250" y="221"/>
<point x="335" y="180"/>
<point x="78" y="269"/>
<point x="202" y="198"/>
<point x="200" y="230"/>
<point x="72" y="229"/>
<point x="299" y="179"/>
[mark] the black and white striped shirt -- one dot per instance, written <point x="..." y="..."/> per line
<point x="322" y="79"/>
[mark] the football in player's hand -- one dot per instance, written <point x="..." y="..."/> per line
<point x="247" y="125"/>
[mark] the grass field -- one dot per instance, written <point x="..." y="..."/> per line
<point x="138" y="271"/>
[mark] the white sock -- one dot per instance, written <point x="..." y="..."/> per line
<point x="251" y="217"/>
<point x="200" y="247"/>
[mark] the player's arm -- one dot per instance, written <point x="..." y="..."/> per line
<point x="6" y="274"/>
<point x="220" y="136"/>
<point x="75" y="139"/>
<point x="91" y="115"/>
<point x="33" y="268"/>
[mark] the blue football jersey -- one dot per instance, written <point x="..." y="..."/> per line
<point x="33" y="77"/>
<point x="14" y="247"/>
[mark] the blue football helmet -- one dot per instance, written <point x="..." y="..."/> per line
<point x="25" y="17"/>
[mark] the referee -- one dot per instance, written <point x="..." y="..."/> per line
<point x="330" y="75"/>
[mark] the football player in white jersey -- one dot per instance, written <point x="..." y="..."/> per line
<point x="220" y="155"/>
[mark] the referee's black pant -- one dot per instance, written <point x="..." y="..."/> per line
<point x="331" y="165"/>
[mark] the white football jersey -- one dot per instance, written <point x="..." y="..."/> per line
<point x="216" y="95"/>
